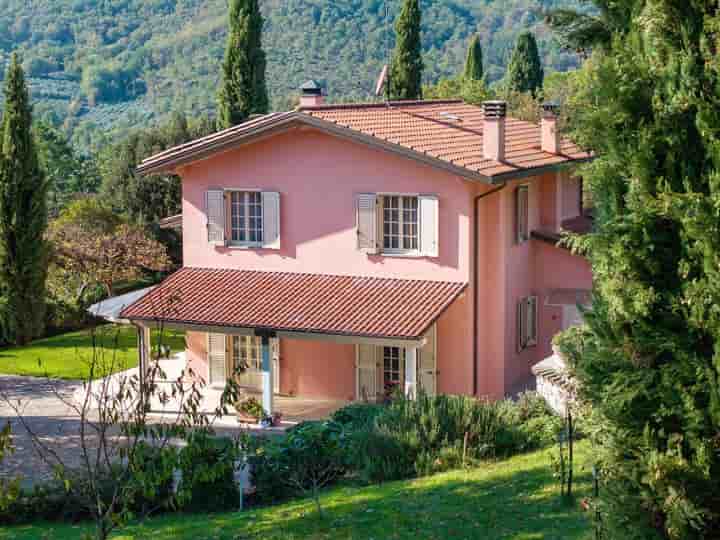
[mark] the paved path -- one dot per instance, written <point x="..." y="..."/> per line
<point x="46" y="415"/>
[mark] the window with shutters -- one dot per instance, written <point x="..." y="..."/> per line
<point x="247" y="352"/>
<point x="246" y="218"/>
<point x="392" y="366"/>
<point x="527" y="322"/>
<point x="522" y="232"/>
<point x="400" y="223"/>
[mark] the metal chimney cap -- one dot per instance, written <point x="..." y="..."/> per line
<point x="494" y="109"/>
<point x="311" y="88"/>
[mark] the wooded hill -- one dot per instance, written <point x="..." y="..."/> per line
<point x="100" y="67"/>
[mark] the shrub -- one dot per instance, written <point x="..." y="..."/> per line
<point x="357" y="416"/>
<point x="208" y="475"/>
<point x="378" y="455"/>
<point x="312" y="455"/>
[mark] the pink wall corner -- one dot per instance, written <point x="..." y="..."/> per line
<point x="318" y="177"/>
<point x="319" y="369"/>
<point x="196" y="355"/>
<point x="570" y="187"/>
<point x="556" y="268"/>
<point x="549" y="213"/>
<point x="454" y="348"/>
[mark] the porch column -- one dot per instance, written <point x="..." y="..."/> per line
<point x="144" y="351"/>
<point x="267" y="375"/>
<point x="411" y="372"/>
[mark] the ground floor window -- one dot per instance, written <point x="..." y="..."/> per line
<point x="393" y="361"/>
<point x="247" y="353"/>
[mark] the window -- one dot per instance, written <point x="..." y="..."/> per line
<point x="246" y="217"/>
<point x="392" y="366"/>
<point x="247" y="353"/>
<point x="527" y="324"/>
<point x="400" y="223"/>
<point x="522" y="233"/>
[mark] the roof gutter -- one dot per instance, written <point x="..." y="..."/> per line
<point x="476" y="307"/>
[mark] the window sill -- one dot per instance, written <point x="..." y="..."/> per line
<point x="402" y="254"/>
<point x="245" y="246"/>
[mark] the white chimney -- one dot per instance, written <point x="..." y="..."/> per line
<point x="494" y="130"/>
<point x="311" y="94"/>
<point x="549" y="132"/>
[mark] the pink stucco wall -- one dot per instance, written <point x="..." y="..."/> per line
<point x="196" y="354"/>
<point x="318" y="177"/>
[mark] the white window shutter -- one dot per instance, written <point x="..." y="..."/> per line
<point x="429" y="225"/>
<point x="367" y="222"/>
<point x="271" y="219"/>
<point x="216" y="358"/>
<point x="215" y="214"/>
<point x="366" y="373"/>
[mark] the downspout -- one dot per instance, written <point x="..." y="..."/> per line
<point x="475" y="281"/>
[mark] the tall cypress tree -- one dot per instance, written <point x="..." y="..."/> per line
<point x="525" y="71"/>
<point x="243" y="91"/>
<point x="407" y="65"/>
<point x="648" y="358"/>
<point x="474" y="61"/>
<point x="23" y="214"/>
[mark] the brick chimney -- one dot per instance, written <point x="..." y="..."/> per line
<point x="311" y="94"/>
<point x="549" y="133"/>
<point x="494" y="129"/>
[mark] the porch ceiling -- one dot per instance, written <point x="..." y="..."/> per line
<point x="345" y="308"/>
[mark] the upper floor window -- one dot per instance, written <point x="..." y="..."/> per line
<point x="246" y="217"/>
<point x="400" y="223"/>
<point x="522" y="211"/>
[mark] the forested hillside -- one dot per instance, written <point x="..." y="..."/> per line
<point x="100" y="67"/>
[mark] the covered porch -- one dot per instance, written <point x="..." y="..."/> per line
<point x="285" y="337"/>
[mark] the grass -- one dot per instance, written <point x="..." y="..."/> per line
<point x="67" y="356"/>
<point x="514" y="499"/>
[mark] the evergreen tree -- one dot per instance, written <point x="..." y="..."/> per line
<point x="525" y="71"/>
<point x="407" y="65"/>
<point x="23" y="214"/>
<point x="648" y="357"/>
<point x="243" y="91"/>
<point x="473" y="61"/>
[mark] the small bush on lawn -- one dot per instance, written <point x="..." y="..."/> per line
<point x="311" y="456"/>
<point x="208" y="479"/>
<point x="357" y="416"/>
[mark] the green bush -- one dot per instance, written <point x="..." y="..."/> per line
<point x="208" y="479"/>
<point x="357" y="416"/>
<point x="378" y="455"/>
<point x="310" y="456"/>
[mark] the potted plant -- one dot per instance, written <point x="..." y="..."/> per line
<point x="250" y="411"/>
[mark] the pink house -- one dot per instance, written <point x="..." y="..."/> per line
<point x="340" y="250"/>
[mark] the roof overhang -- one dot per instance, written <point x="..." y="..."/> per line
<point x="343" y="309"/>
<point x="110" y="308"/>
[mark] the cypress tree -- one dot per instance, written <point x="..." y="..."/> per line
<point x="473" y="61"/>
<point x="23" y="214"/>
<point x="648" y="357"/>
<point x="407" y="65"/>
<point x="243" y="91"/>
<point x="525" y="71"/>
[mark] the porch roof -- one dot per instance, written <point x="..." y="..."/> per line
<point x="367" y="307"/>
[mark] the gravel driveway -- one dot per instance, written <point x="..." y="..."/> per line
<point x="47" y="416"/>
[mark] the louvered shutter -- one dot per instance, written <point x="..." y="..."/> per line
<point x="215" y="214"/>
<point x="216" y="358"/>
<point x="366" y="373"/>
<point x="427" y="371"/>
<point x="429" y="225"/>
<point x="271" y="219"/>
<point x="367" y="222"/>
<point x="521" y="214"/>
<point x="521" y="321"/>
<point x="532" y="320"/>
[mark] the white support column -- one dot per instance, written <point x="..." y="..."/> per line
<point x="410" y="372"/>
<point x="267" y="375"/>
<point x="144" y="352"/>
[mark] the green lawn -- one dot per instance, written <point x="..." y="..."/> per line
<point x="515" y="499"/>
<point x="67" y="356"/>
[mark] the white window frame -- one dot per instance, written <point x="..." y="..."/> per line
<point x="243" y="351"/>
<point x="527" y="322"/>
<point x="401" y="365"/>
<point x="231" y="225"/>
<point x="381" y="197"/>
<point x="522" y="215"/>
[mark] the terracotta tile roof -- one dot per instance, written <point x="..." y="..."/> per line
<point x="446" y="133"/>
<point x="450" y="131"/>
<point x="295" y="302"/>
